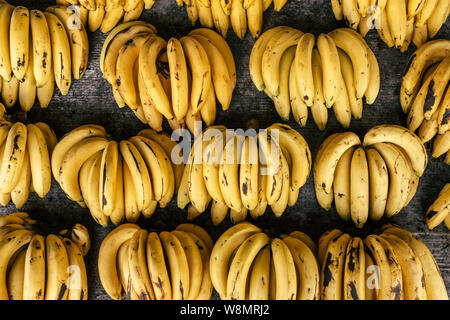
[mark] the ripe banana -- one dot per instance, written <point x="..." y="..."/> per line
<point x="404" y="138"/>
<point x="62" y="67"/>
<point x="5" y="61"/>
<point x="40" y="166"/>
<point x="107" y="258"/>
<point x="19" y="41"/>
<point x="258" y="286"/>
<point x="223" y="250"/>
<point x="330" y="68"/>
<point x="303" y="65"/>
<point x="331" y="275"/>
<point x="77" y="282"/>
<point x="284" y="270"/>
<point x="255" y="18"/>
<point x="57" y="262"/>
<point x="297" y="105"/>
<point x="359" y="188"/>
<point x="354" y="281"/>
<point x="13" y="156"/>
<point x="341" y="185"/>
<point x="378" y="184"/>
<point x="42" y="50"/>
<point x="157" y="268"/>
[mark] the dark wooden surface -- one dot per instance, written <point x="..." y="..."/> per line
<point x="90" y="101"/>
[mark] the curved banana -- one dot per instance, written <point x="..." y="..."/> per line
<point x="220" y="18"/>
<point x="10" y="91"/>
<point x="45" y="94"/>
<point x="437" y="18"/>
<point x="378" y="184"/>
<point x="284" y="270"/>
<point x="258" y="285"/>
<point x="342" y="107"/>
<point x="425" y="12"/>
<point x="256" y="55"/>
<point x="195" y="263"/>
<point x="238" y="18"/>
<point x="40" y="166"/>
<point x="107" y="258"/>
<point x="178" y="78"/>
<point x="139" y="276"/>
<point x="331" y="69"/>
<point x="20" y="193"/>
<point x="108" y="177"/>
<point x="42" y="50"/>
<point x="255" y="18"/>
<point x="241" y="263"/>
<point x="157" y="268"/>
<point x="221" y="79"/>
<point x="356" y="105"/>
<point x="354" y="282"/>
<point x="80" y="235"/>
<point x="5" y="61"/>
<point x="249" y="173"/>
<point x="357" y="53"/>
<point x="282" y="100"/>
<point x="279" y="206"/>
<point x="72" y="162"/>
<point x="442" y="119"/>
<point x="331" y="279"/>
<point x="431" y="52"/>
<point x="77" y="282"/>
<point x="229" y="173"/>
<point x="126" y="75"/>
<point x="397" y="18"/>
<point x="199" y="232"/>
<point x="223" y="250"/>
<point x="434" y="284"/>
<point x="178" y="265"/>
<point x="319" y="109"/>
<point x="13" y="156"/>
<point x="19" y="41"/>
<point x="132" y="212"/>
<point x="326" y="164"/>
<point x="57" y="262"/>
<point x="412" y="273"/>
<point x="399" y="177"/>
<point x="351" y="14"/>
<point x="271" y="57"/>
<point x="307" y="267"/>
<point x="62" y="67"/>
<point x="404" y="138"/>
<point x="16" y="276"/>
<point x="79" y="42"/>
<point x="139" y="173"/>
<point x="92" y="183"/>
<point x="438" y="210"/>
<point x="341" y="185"/>
<point x="297" y="105"/>
<point x="359" y="188"/>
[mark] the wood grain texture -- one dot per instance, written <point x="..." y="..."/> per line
<point x="90" y="101"/>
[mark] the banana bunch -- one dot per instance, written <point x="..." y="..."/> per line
<point x="244" y="173"/>
<point x="425" y="97"/>
<point x="25" y="151"/>
<point x="393" y="265"/>
<point x="398" y="22"/>
<point x="39" y="50"/>
<point x="167" y="265"/>
<point x="439" y="209"/>
<point x="246" y="264"/>
<point x="116" y="180"/>
<point x="219" y="14"/>
<point x="178" y="79"/>
<point x="106" y="14"/>
<point x="41" y="267"/>
<point x="378" y="176"/>
<point x="298" y="71"/>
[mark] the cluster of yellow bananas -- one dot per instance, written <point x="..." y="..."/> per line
<point x="371" y="178"/>
<point x="116" y="180"/>
<point x="298" y="71"/>
<point x="177" y="79"/>
<point x="439" y="210"/>
<point x="398" y="22"/>
<point x="25" y="151"/>
<point x="38" y="50"/>
<point x="106" y="14"/>
<point x="169" y="265"/>
<point x="424" y="95"/>
<point x="394" y="265"/>
<point x="219" y="14"/>
<point x="242" y="174"/>
<point x="246" y="264"/>
<point x="37" y="267"/>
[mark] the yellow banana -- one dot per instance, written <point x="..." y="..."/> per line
<point x="157" y="268"/>
<point x="341" y="185"/>
<point x="42" y="48"/>
<point x="354" y="282"/>
<point x="57" y="262"/>
<point x="330" y="67"/>
<point x="5" y="61"/>
<point x="19" y="41"/>
<point x="77" y="282"/>
<point x="378" y="184"/>
<point x="359" y="188"/>
<point x="255" y="18"/>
